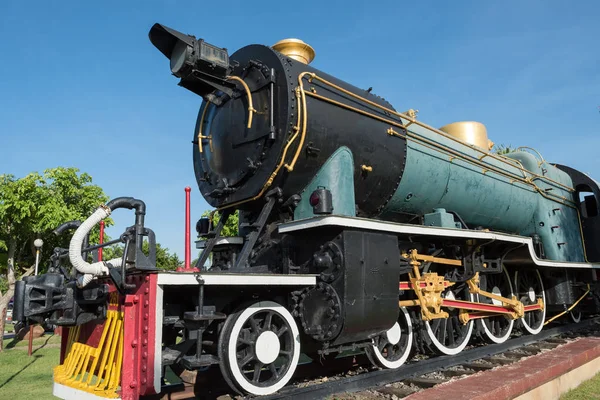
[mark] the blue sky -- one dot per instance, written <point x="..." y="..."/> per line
<point x="81" y="85"/>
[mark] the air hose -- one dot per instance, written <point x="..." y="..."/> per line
<point x="89" y="271"/>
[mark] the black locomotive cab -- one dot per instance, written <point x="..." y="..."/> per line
<point x="587" y="194"/>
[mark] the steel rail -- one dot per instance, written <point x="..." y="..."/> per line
<point x="382" y="377"/>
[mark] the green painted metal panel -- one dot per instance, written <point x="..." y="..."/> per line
<point x="557" y="225"/>
<point x="440" y="218"/>
<point x="483" y="198"/>
<point x="337" y="175"/>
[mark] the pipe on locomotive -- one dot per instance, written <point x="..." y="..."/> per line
<point x="90" y="271"/>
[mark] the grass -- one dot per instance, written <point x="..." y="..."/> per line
<point x="9" y="327"/>
<point x="588" y="390"/>
<point x="23" y="377"/>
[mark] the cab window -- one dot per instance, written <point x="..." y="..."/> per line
<point x="587" y="202"/>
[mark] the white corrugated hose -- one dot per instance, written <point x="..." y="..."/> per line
<point x="90" y="271"/>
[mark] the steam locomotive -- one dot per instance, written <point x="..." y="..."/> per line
<point x="360" y="228"/>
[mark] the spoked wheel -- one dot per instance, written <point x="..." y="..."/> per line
<point x="575" y="315"/>
<point x="529" y="288"/>
<point x="496" y="329"/>
<point x="392" y="348"/>
<point x="259" y="348"/>
<point x="449" y="336"/>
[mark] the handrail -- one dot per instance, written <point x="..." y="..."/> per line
<point x="535" y="151"/>
<point x="251" y="108"/>
<point x="423" y="125"/>
<point x="412" y="135"/>
<point x="200" y="135"/>
<point x="296" y="131"/>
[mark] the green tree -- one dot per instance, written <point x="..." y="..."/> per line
<point x="30" y="208"/>
<point x="231" y="227"/>
<point x="164" y="259"/>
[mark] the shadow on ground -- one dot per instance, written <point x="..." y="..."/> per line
<point x="13" y="376"/>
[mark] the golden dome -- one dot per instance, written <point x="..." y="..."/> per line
<point x="295" y="49"/>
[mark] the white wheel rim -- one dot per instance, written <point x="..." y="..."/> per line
<point x="441" y="347"/>
<point x="497" y="339"/>
<point x="488" y="333"/>
<point x="534" y="331"/>
<point x="397" y="363"/>
<point x="232" y="344"/>
<point x="451" y="351"/>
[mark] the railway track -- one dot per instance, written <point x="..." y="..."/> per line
<point x="430" y="372"/>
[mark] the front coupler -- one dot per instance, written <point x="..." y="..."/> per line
<point x="47" y="296"/>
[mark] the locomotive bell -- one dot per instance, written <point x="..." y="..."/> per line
<point x="470" y="132"/>
<point x="295" y="49"/>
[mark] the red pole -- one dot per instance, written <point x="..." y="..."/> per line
<point x="101" y="240"/>
<point x="188" y="251"/>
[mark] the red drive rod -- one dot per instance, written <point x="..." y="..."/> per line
<point x="188" y="251"/>
<point x="101" y="240"/>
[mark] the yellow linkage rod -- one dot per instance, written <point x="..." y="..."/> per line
<point x="570" y="308"/>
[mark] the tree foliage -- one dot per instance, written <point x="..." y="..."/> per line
<point x="164" y="259"/>
<point x="3" y="284"/>
<point x="30" y="208"/>
<point x="33" y="206"/>
<point x="231" y="227"/>
<point x="504" y="149"/>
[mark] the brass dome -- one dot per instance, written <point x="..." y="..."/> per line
<point x="471" y="132"/>
<point x="295" y="49"/>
